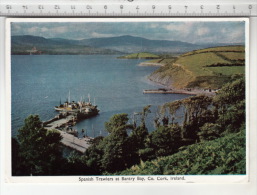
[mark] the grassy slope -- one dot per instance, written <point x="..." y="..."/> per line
<point x="163" y="61"/>
<point x="140" y="55"/>
<point x="197" y="70"/>
<point x="224" y="155"/>
<point x="237" y="48"/>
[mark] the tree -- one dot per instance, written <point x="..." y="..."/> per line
<point x="138" y="136"/>
<point x="18" y="168"/>
<point x="118" y="122"/>
<point x="231" y="93"/>
<point x="171" y="108"/>
<point x="76" y="165"/>
<point x="209" y="131"/>
<point x="40" y="148"/>
<point x="196" y="111"/>
<point x="116" y="146"/>
<point x="230" y="104"/>
<point x="115" y="153"/>
<point x="166" y="140"/>
<point x="94" y="155"/>
<point x="140" y="133"/>
<point x="144" y="113"/>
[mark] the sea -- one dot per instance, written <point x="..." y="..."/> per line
<point x="40" y="82"/>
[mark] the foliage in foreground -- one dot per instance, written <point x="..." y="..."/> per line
<point x="216" y="124"/>
<point x="224" y="155"/>
<point x="38" y="151"/>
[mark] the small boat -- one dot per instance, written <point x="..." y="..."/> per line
<point x="80" y="109"/>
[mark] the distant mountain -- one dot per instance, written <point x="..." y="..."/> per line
<point x="110" y="45"/>
<point x="131" y="44"/>
<point x="64" y="41"/>
<point x="24" y="44"/>
<point x="31" y="40"/>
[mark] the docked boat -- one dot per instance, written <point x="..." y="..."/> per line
<point x="80" y="109"/>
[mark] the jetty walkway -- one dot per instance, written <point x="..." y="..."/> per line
<point x="181" y="91"/>
<point x="69" y="140"/>
<point x="79" y="144"/>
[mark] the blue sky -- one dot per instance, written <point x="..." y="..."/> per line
<point x="192" y="32"/>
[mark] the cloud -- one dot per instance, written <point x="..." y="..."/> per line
<point x="202" y="31"/>
<point x="237" y="36"/>
<point x="184" y="31"/>
<point x="15" y="27"/>
<point x="33" y="30"/>
<point x="178" y="26"/>
<point x="154" y="25"/>
<point x="60" y="29"/>
<point x="192" y="31"/>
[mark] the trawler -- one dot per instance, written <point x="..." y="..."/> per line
<point x="80" y="109"/>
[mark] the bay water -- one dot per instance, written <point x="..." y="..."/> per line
<point x="40" y="82"/>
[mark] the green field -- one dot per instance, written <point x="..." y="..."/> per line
<point x="205" y="68"/>
<point x="233" y="55"/>
<point x="227" y="70"/>
<point x="142" y="55"/>
<point x="237" y="48"/>
<point x="197" y="63"/>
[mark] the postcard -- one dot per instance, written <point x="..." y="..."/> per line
<point x="127" y="100"/>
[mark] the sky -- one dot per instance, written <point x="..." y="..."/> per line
<point x="192" y="31"/>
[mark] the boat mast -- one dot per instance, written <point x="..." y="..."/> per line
<point x="89" y="98"/>
<point x="69" y="97"/>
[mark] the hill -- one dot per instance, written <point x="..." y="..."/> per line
<point x="110" y="45"/>
<point x="20" y="45"/>
<point x="142" y="55"/>
<point x="205" y="68"/>
<point x="132" y="44"/>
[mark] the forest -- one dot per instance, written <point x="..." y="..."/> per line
<point x="207" y="138"/>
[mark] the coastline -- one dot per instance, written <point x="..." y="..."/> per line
<point x="181" y="91"/>
<point x="150" y="64"/>
<point x="168" y="89"/>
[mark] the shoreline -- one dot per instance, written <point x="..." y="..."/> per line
<point x="150" y="64"/>
<point x="180" y="91"/>
<point x="164" y="89"/>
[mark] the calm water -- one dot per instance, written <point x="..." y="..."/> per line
<point x="40" y="81"/>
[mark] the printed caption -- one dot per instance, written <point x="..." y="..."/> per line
<point x="132" y="179"/>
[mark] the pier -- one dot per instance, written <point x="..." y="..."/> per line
<point x="70" y="113"/>
<point x="60" y="124"/>
<point x="180" y="91"/>
<point x="79" y="144"/>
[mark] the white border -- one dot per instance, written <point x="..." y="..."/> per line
<point x="197" y="179"/>
<point x="2" y="102"/>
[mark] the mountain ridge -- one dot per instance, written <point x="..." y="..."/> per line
<point x="105" y="45"/>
